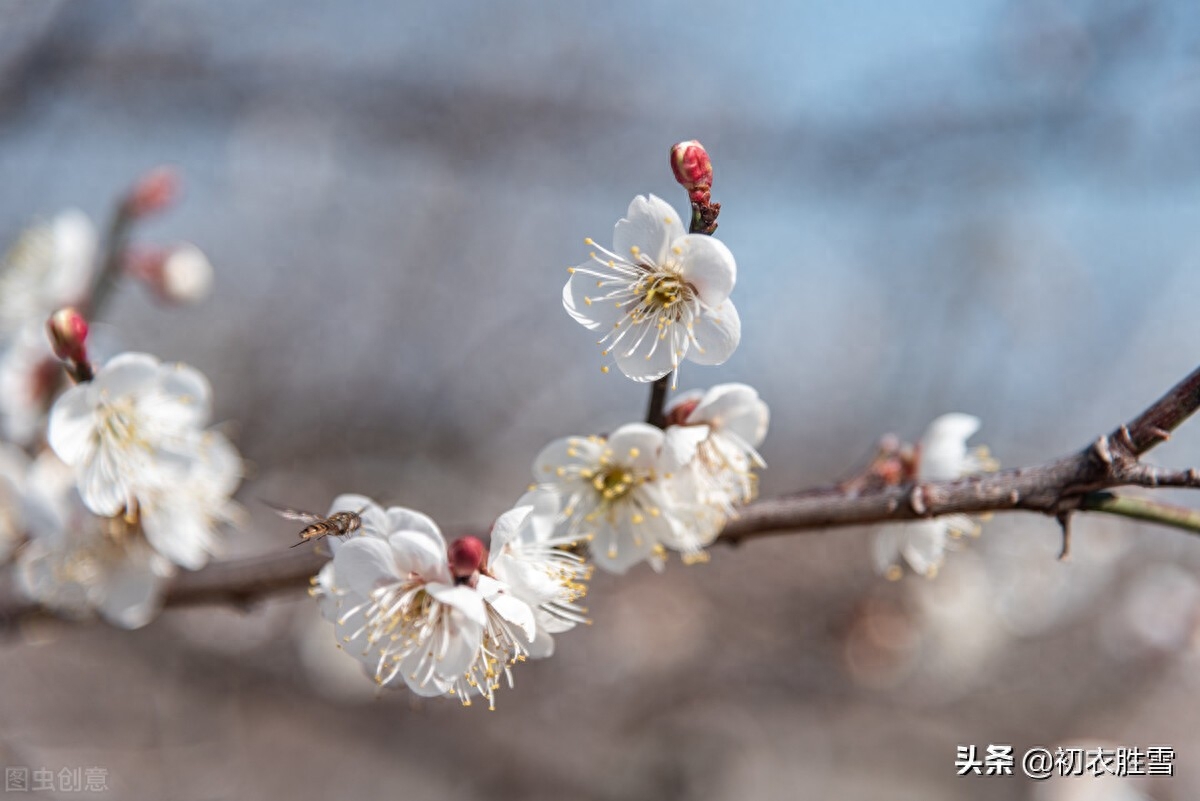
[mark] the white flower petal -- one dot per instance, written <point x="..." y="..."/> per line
<point x="650" y="225"/>
<point x="72" y="425"/>
<point x="417" y="552"/>
<point x="596" y="315"/>
<point x="124" y="374"/>
<point x="643" y="357"/>
<point x="508" y="526"/>
<point x="462" y="598"/>
<point x="133" y="593"/>
<point x="363" y="563"/>
<point x="944" y="447"/>
<point x="681" y="444"/>
<point x="708" y="266"/>
<point x="637" y="445"/>
<point x="717" y="335"/>
<point x="401" y="519"/>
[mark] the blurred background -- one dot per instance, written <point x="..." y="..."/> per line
<point x="936" y="206"/>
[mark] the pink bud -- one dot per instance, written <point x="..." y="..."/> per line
<point x="68" y="335"/>
<point x="693" y="169"/>
<point x="181" y="275"/>
<point x="680" y="413"/>
<point x="153" y="192"/>
<point x="467" y="555"/>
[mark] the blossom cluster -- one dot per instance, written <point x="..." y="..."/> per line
<point x="642" y="491"/>
<point x="449" y="620"/>
<point x="454" y="620"/>
<point x="941" y="455"/>
<point x="109" y="488"/>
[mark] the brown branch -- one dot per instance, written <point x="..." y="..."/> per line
<point x="1057" y="489"/>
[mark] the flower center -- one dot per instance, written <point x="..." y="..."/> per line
<point x="661" y="292"/>
<point x="117" y="423"/>
<point x="614" y="483"/>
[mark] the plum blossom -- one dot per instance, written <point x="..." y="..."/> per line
<point x="396" y="605"/>
<point x="78" y="564"/>
<point x="50" y="265"/>
<point x="714" y="435"/>
<point x="616" y="492"/>
<point x="540" y="568"/>
<point x="182" y="514"/>
<point x="660" y="296"/>
<point x="942" y="455"/>
<point x="137" y="421"/>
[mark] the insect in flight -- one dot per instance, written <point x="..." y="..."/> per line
<point x="317" y="526"/>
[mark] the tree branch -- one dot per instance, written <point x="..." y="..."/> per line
<point x="1058" y="489"/>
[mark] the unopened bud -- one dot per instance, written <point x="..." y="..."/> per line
<point x="154" y="192"/>
<point x="181" y="275"/>
<point x="680" y="413"/>
<point x="467" y="555"/>
<point x="693" y="169"/>
<point x="68" y="335"/>
<point x="187" y="275"/>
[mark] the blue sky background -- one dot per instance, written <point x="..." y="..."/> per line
<point x="936" y="206"/>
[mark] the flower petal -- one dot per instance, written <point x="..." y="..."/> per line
<point x="126" y="373"/>
<point x="681" y="444"/>
<point x="717" y="334"/>
<point x="462" y="598"/>
<point x="737" y="409"/>
<point x="565" y="452"/>
<point x="362" y="564"/>
<point x="418" y="552"/>
<point x="596" y="314"/>
<point x="643" y="356"/>
<point x="400" y="518"/>
<point x="133" y="592"/>
<point x="648" y="228"/>
<point x="944" y="447"/>
<point x="637" y="445"/>
<point x="708" y="266"/>
<point x="72" y="425"/>
<point x="508" y="526"/>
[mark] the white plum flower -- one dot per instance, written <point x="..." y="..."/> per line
<point x="539" y="568"/>
<point x="715" y="435"/>
<point x="614" y="491"/>
<point x="50" y="266"/>
<point x="182" y="513"/>
<point x="942" y="455"/>
<point x="660" y="296"/>
<point x="77" y="564"/>
<point x="397" y="607"/>
<point x="137" y="419"/>
<point x="508" y="635"/>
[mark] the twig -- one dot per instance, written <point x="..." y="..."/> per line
<point x="1072" y="484"/>
<point x="1180" y="517"/>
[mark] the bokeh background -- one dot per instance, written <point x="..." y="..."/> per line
<point x="936" y="206"/>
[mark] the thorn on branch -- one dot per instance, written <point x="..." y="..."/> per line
<point x="1157" y="432"/>
<point x="1064" y="522"/>
<point x="1127" y="440"/>
<point x="1102" y="451"/>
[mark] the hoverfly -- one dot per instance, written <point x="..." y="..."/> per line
<point x="318" y="526"/>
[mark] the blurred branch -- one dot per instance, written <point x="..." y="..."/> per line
<point x="1057" y="489"/>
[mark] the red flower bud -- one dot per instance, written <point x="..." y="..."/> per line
<point x="693" y="169"/>
<point x="68" y="335"/>
<point x="680" y="413"/>
<point x="467" y="555"/>
<point x="154" y="192"/>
